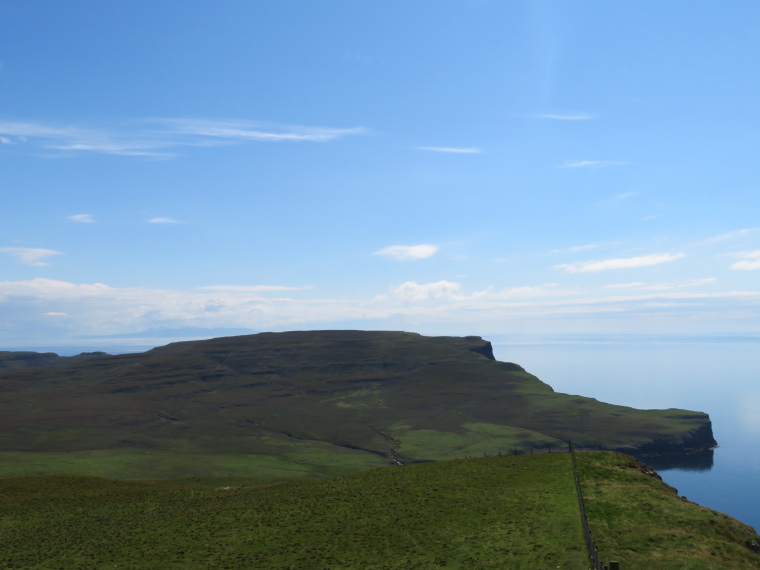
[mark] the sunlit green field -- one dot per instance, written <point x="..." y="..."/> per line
<point x="495" y="512"/>
<point x="486" y="513"/>
<point x="314" y="460"/>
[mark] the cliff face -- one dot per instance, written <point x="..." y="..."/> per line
<point x="399" y="396"/>
<point x="694" y="441"/>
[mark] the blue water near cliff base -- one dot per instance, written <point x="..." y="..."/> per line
<point x="719" y="375"/>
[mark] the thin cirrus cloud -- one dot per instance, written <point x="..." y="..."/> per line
<point x="412" y="291"/>
<point x="162" y="221"/>
<point x="252" y="288"/>
<point x="589" y="163"/>
<point x="575" y="248"/>
<point x="568" y="116"/>
<point x="750" y="262"/>
<point x="69" y="140"/>
<point x="30" y="256"/>
<point x="157" y="138"/>
<point x="408" y="252"/>
<point x="450" y="149"/>
<point x="82" y="306"/>
<point x="662" y="286"/>
<point x="732" y="235"/>
<point x="620" y="263"/>
<point x="235" y="130"/>
<point x="82" y="218"/>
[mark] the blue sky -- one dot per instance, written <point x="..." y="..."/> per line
<point x="438" y="166"/>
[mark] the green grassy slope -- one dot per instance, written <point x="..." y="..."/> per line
<point x="510" y="512"/>
<point x="325" y="400"/>
<point x="643" y="523"/>
<point x="496" y="512"/>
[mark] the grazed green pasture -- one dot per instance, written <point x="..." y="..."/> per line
<point x="474" y="439"/>
<point x="644" y="524"/>
<point x="317" y="460"/>
<point x="496" y="512"/>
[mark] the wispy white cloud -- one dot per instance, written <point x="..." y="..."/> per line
<point x="620" y="263"/>
<point x="82" y="218"/>
<point x="251" y="288"/>
<point x="101" y="309"/>
<point x="733" y="234"/>
<point x="162" y="221"/>
<point x="158" y="138"/>
<point x="29" y="255"/>
<point x="575" y="248"/>
<point x="652" y="217"/>
<point x="568" y="116"/>
<point x="5" y="140"/>
<point x="529" y="292"/>
<point x="750" y="261"/>
<point x="699" y="282"/>
<point x="616" y="200"/>
<point x="126" y="141"/>
<point x="408" y="252"/>
<point x="589" y="163"/>
<point x="413" y="291"/>
<point x="632" y="285"/>
<point x="662" y="286"/>
<point x="247" y="130"/>
<point x="97" y="308"/>
<point x="456" y="150"/>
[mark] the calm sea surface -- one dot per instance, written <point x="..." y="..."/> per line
<point x="719" y="375"/>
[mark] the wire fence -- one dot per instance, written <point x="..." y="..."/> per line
<point x="533" y="450"/>
<point x="593" y="553"/>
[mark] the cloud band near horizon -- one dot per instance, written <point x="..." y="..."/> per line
<point x="620" y="263"/>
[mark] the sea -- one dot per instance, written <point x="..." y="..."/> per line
<point x="717" y="374"/>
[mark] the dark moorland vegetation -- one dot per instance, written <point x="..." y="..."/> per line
<point x="318" y="403"/>
<point x="495" y="512"/>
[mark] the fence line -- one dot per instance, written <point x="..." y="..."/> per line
<point x="593" y="553"/>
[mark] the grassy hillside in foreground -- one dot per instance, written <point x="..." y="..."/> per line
<point x="517" y="512"/>
<point x="497" y="512"/>
<point x="239" y="405"/>
<point x="643" y="523"/>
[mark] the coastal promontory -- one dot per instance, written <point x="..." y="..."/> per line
<point x="307" y="403"/>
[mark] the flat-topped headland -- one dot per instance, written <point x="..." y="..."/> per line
<point x="314" y="402"/>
